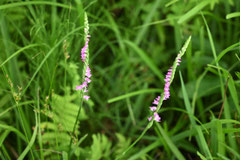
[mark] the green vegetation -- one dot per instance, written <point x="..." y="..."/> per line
<point x="132" y="45"/>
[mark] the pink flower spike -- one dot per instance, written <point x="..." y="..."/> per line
<point x="156" y="117"/>
<point x="153" y="108"/>
<point x="149" y="118"/>
<point x="85" y="90"/>
<point x="86" y="97"/>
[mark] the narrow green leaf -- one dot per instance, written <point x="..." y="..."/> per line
<point x="30" y="144"/>
<point x="194" y="11"/>
<point x="115" y="99"/>
<point x="169" y="142"/>
<point x="233" y="15"/>
<point x="236" y="153"/>
<point x="19" y="51"/>
<point x="20" y="4"/>
<point x="3" y="136"/>
<point x="203" y="142"/>
<point x="10" y="128"/>
<point x="171" y="3"/>
<point x="146" y="59"/>
<point x="186" y="101"/>
<point x="201" y="156"/>
<point x="65" y="155"/>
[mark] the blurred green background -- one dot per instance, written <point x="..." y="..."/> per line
<point x="132" y="45"/>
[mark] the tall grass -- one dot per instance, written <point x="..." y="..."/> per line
<point x="132" y="45"/>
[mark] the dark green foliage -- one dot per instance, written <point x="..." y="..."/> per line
<point x="132" y="45"/>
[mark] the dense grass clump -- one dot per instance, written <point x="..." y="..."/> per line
<point x="67" y="95"/>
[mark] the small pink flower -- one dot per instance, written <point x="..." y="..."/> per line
<point x="85" y="84"/>
<point x="88" y="72"/>
<point x="155" y="102"/>
<point x="153" y="108"/>
<point x="85" y="90"/>
<point x="79" y="87"/>
<point x="86" y="97"/>
<point x="149" y="118"/>
<point x="87" y="80"/>
<point x="156" y="117"/>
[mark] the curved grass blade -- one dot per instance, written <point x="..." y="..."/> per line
<point x="3" y="136"/>
<point x="146" y="59"/>
<point x="143" y="91"/>
<point x="169" y="142"/>
<point x="30" y="144"/>
<point x="233" y="15"/>
<point x="20" y="4"/>
<point x="10" y="128"/>
<point x="193" y="11"/>
<point x="19" y="51"/>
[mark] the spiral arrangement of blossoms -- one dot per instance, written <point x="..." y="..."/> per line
<point x="85" y="83"/>
<point x="167" y="80"/>
<point x="84" y="57"/>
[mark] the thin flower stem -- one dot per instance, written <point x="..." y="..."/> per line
<point x="224" y="98"/>
<point x="75" y="124"/>
<point x="138" y="139"/>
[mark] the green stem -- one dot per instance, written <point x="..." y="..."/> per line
<point x="22" y="122"/>
<point x="75" y="124"/>
<point x="138" y="139"/>
<point x="39" y="131"/>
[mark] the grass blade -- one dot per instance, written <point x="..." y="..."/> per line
<point x="233" y="15"/>
<point x="20" y="4"/>
<point x="169" y="142"/>
<point x="30" y="144"/>
<point x="128" y="95"/>
<point x="146" y="59"/>
<point x="193" y="11"/>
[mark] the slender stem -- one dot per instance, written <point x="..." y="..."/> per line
<point x="138" y="139"/>
<point x="24" y="129"/>
<point x="39" y="129"/>
<point x="75" y="124"/>
<point x="225" y="93"/>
